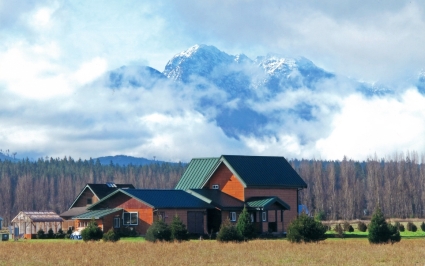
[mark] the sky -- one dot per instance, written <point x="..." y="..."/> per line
<point x="51" y="52"/>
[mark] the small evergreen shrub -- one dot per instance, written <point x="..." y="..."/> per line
<point x="394" y="233"/>
<point x="228" y="232"/>
<point x="111" y="236"/>
<point x="306" y="229"/>
<point x="411" y="227"/>
<point x="41" y="234"/>
<point x="320" y="216"/>
<point x="60" y="234"/>
<point x="178" y="230"/>
<point x="361" y="226"/>
<point x="158" y="231"/>
<point x="423" y="226"/>
<point x="401" y="228"/>
<point x="339" y="231"/>
<point x="245" y="227"/>
<point x="350" y="229"/>
<point x="92" y="232"/>
<point x="50" y="234"/>
<point x="379" y="231"/>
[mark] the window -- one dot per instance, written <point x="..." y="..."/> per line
<point x="252" y="217"/>
<point x="130" y="218"/>
<point x="215" y="186"/>
<point x="233" y="216"/>
<point x="117" y="222"/>
<point x="89" y="201"/>
<point x="264" y="216"/>
<point x="161" y="216"/>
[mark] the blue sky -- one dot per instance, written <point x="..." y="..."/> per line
<point x="51" y="51"/>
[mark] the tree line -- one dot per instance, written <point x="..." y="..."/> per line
<point x="350" y="189"/>
<point x="344" y="189"/>
<point x="53" y="184"/>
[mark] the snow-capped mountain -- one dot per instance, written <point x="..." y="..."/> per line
<point x="248" y="86"/>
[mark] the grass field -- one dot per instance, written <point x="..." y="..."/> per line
<point x="349" y="251"/>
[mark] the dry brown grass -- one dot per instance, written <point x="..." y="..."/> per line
<point x="259" y="252"/>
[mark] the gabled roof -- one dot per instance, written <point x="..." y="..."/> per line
<point x="261" y="171"/>
<point x="102" y="190"/>
<point x="264" y="202"/>
<point x="73" y="212"/>
<point x="161" y="199"/>
<point x="217" y="198"/>
<point x="197" y="172"/>
<point x="96" y="214"/>
<point x="40" y="216"/>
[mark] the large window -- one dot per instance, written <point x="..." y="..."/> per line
<point x="117" y="222"/>
<point x="130" y="218"/>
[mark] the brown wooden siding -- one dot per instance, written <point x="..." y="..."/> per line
<point x="82" y="200"/>
<point x="227" y="182"/>
<point x="182" y="213"/>
<point x="288" y="195"/>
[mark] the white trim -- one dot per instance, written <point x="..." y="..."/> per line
<point x="215" y="186"/>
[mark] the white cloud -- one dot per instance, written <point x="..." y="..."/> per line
<point x="377" y="125"/>
<point x="91" y="70"/>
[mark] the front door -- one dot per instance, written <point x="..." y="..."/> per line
<point x="195" y="222"/>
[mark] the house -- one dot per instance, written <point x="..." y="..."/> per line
<point x="268" y="186"/>
<point x="137" y="209"/>
<point x="1" y="221"/>
<point x="28" y="223"/>
<point x="90" y="194"/>
<point x="210" y="191"/>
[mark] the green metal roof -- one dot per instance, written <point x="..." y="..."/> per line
<point x="217" y="198"/>
<point x="197" y="172"/>
<point x="265" y="202"/>
<point x="97" y="214"/>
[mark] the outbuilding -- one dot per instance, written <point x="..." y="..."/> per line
<point x="28" y="223"/>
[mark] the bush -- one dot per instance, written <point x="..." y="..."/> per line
<point x="346" y="226"/>
<point x="245" y="227"/>
<point x="379" y="232"/>
<point x="350" y="229"/>
<point x="158" y="231"/>
<point x="178" y="230"/>
<point x="50" y="234"/>
<point x="306" y="229"/>
<point x="339" y="231"/>
<point x="228" y="232"/>
<point x="111" y="236"/>
<point x="60" y="234"/>
<point x="41" y="234"/>
<point x="423" y="226"/>
<point x="127" y="232"/>
<point x="320" y="216"/>
<point x="92" y="232"/>
<point x="411" y="227"/>
<point x="401" y="228"/>
<point x="361" y="226"/>
<point x="394" y="233"/>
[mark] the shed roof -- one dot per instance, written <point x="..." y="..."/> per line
<point x="40" y="216"/>
<point x="96" y="214"/>
<point x="217" y="198"/>
<point x="198" y="170"/>
<point x="161" y="199"/>
<point x="265" y="202"/>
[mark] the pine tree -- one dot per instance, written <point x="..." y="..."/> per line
<point x="306" y="229"/>
<point x="378" y="228"/>
<point x="178" y="230"/>
<point x="158" y="231"/>
<point x="244" y="226"/>
<point x="92" y="232"/>
<point x="228" y="232"/>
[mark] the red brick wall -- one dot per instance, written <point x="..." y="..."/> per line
<point x="227" y="182"/>
<point x="288" y="195"/>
